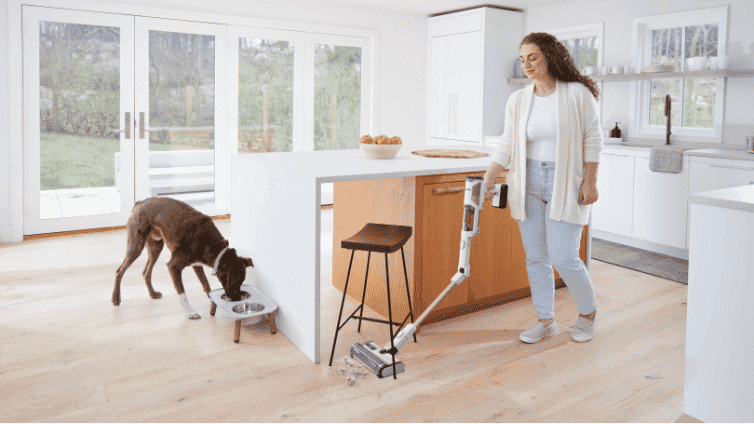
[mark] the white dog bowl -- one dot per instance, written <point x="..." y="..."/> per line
<point x="380" y="151"/>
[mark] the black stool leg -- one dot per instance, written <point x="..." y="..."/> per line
<point x="364" y="293"/>
<point x="390" y="315"/>
<point x="408" y="292"/>
<point x="345" y="289"/>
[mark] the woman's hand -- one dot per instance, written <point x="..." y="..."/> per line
<point x="489" y="179"/>
<point x="588" y="193"/>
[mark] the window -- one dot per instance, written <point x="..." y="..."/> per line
<point x="583" y="42"/>
<point x="687" y="42"/>
<point x="299" y="91"/>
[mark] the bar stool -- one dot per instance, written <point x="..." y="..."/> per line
<point x="379" y="238"/>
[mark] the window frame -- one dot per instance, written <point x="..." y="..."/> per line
<point x="640" y="98"/>
<point x="583" y="31"/>
<point x="303" y="84"/>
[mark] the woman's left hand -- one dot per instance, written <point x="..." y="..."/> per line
<point x="588" y="193"/>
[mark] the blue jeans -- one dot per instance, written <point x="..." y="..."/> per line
<point x="551" y="243"/>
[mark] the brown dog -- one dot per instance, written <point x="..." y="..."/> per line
<point x="193" y="240"/>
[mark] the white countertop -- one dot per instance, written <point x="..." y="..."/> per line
<point x="741" y="198"/>
<point x="353" y="164"/>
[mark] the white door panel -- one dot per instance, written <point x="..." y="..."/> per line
<point x="78" y="92"/>
<point x="181" y="94"/>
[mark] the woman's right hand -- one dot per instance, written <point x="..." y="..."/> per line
<point x="488" y="187"/>
<point x="489" y="179"/>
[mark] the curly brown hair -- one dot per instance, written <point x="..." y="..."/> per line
<point x="559" y="61"/>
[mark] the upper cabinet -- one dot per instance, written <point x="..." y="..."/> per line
<point x="471" y="54"/>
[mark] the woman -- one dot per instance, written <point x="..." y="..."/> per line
<point x="551" y="144"/>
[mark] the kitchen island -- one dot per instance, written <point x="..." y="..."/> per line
<point x="719" y="341"/>
<point x="276" y="221"/>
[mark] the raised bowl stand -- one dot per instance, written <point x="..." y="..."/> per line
<point x="255" y="296"/>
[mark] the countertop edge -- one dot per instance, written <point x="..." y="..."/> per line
<point x="714" y="153"/>
<point x="741" y="198"/>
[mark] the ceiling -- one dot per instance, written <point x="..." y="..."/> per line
<point x="429" y="7"/>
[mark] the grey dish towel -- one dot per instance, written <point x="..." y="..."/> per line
<point x="664" y="159"/>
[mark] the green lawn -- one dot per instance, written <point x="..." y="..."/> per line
<point x="71" y="161"/>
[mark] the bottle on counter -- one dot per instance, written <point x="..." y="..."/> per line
<point x="615" y="133"/>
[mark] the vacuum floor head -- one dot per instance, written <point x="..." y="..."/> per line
<point x="381" y="364"/>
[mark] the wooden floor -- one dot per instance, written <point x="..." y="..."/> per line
<point x="67" y="354"/>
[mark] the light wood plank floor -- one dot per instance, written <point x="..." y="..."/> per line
<point x="67" y="354"/>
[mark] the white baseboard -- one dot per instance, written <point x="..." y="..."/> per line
<point x="642" y="244"/>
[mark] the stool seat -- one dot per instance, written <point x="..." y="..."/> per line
<point x="378" y="238"/>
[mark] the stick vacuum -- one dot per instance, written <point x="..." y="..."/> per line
<point x="381" y="361"/>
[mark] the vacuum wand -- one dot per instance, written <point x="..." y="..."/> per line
<point x="473" y="203"/>
<point x="381" y="361"/>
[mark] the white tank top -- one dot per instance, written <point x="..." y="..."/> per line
<point x="541" y="130"/>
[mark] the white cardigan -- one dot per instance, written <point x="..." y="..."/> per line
<point x="579" y="140"/>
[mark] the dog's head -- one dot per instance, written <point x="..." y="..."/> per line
<point x="231" y="271"/>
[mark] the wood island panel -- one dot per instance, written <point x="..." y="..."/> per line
<point x="433" y="206"/>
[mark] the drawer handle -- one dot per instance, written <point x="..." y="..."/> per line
<point x="732" y="166"/>
<point x="448" y="190"/>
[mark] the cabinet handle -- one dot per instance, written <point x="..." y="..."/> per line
<point x="448" y="190"/>
<point x="732" y="166"/>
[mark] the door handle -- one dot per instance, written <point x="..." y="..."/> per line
<point x="142" y="130"/>
<point x="128" y="126"/>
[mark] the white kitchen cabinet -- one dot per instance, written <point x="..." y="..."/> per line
<point x="660" y="208"/>
<point x="713" y="174"/>
<point x="615" y="184"/>
<point x="471" y="55"/>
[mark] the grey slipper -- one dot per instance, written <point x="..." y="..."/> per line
<point x="537" y="332"/>
<point x="583" y="331"/>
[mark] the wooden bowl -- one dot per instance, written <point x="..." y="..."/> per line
<point x="380" y="151"/>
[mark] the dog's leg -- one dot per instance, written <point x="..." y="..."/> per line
<point x="154" y="247"/>
<point x="175" y="267"/>
<point x="202" y="277"/>
<point x="134" y="246"/>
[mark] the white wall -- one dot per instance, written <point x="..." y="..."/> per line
<point x="5" y="228"/>
<point x="618" y="17"/>
<point x="402" y="73"/>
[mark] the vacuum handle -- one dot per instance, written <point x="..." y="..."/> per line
<point x="500" y="200"/>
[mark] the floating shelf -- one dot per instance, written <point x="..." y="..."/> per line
<point x="725" y="73"/>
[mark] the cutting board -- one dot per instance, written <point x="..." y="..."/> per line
<point x="450" y="153"/>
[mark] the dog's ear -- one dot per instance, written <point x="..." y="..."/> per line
<point x="246" y="262"/>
